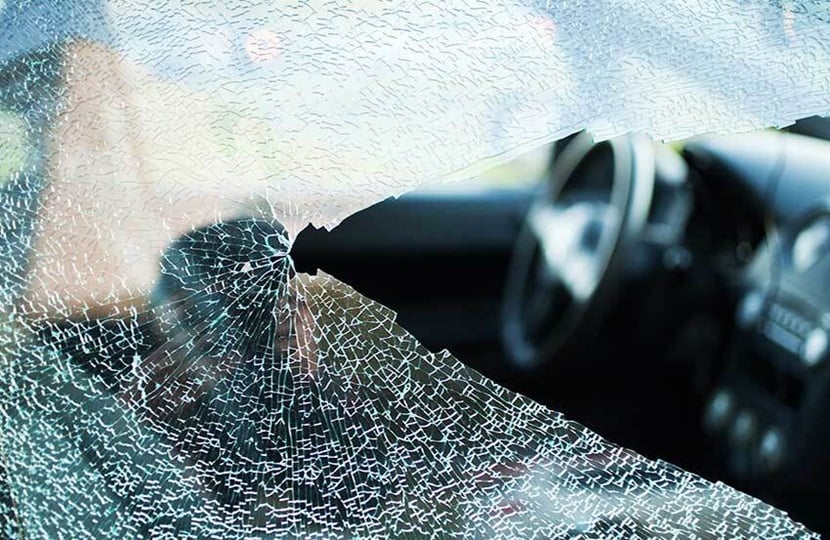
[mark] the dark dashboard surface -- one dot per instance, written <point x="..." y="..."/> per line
<point x="787" y="173"/>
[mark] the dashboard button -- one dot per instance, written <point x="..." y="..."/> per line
<point x="744" y="430"/>
<point x="719" y="411"/>
<point x="771" y="449"/>
<point x="814" y="348"/>
<point x="749" y="309"/>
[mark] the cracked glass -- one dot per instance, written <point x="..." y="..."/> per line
<point x="167" y="373"/>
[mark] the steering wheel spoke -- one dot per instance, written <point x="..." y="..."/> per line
<point x="570" y="239"/>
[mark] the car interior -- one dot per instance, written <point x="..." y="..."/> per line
<point x="671" y="298"/>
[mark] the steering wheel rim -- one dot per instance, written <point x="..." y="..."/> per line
<point x="556" y="235"/>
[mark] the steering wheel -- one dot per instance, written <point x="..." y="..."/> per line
<point x="570" y="251"/>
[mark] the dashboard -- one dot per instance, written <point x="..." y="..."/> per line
<point x="768" y="411"/>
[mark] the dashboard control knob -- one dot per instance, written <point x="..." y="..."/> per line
<point x="771" y="449"/>
<point x="749" y="309"/>
<point x="744" y="429"/>
<point x="719" y="411"/>
<point x="815" y="346"/>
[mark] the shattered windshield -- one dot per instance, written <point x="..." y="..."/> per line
<point x="168" y="373"/>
